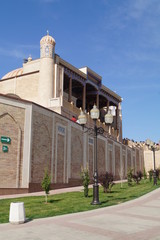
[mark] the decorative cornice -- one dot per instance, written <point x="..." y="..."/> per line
<point x="72" y="68"/>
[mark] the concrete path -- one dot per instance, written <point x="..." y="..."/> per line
<point x="135" y="220"/>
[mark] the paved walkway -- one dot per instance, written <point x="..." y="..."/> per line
<point x="135" y="220"/>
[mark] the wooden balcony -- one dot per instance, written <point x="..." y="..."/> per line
<point x="69" y="110"/>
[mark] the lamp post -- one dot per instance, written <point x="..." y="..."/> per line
<point x="151" y="146"/>
<point x="96" y="130"/>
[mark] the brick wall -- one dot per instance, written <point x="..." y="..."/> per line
<point x="90" y="161"/>
<point x="11" y="125"/>
<point x="101" y="156"/>
<point x="59" y="145"/>
<point x="117" y="162"/>
<point x="76" y="153"/>
<point x="148" y="160"/>
<point x="41" y="146"/>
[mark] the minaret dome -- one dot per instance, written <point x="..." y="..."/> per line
<point x="47" y="46"/>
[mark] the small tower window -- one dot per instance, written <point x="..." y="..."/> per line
<point x="47" y="51"/>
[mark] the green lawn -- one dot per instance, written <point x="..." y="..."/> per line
<point x="59" y="204"/>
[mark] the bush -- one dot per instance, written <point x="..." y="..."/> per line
<point x="106" y="180"/>
<point x="150" y="175"/>
<point x="140" y="174"/>
<point x="46" y="183"/>
<point x="137" y="177"/>
<point x="85" y="180"/>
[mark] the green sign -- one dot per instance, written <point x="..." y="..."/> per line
<point x="5" y="148"/>
<point x="5" y="140"/>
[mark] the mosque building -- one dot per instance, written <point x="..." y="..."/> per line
<point x="37" y="103"/>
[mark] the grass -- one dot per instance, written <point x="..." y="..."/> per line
<point x="59" y="204"/>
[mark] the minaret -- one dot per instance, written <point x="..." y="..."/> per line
<point x="46" y="79"/>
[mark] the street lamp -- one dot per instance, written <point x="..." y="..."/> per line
<point x="94" y="113"/>
<point x="151" y="146"/>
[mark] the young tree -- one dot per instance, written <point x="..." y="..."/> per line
<point x="46" y="182"/>
<point x="85" y="180"/>
<point x="130" y="176"/>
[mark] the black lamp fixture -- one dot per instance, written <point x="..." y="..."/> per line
<point x="152" y="147"/>
<point x="94" y="113"/>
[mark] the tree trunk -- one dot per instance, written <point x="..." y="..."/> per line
<point x="46" y="198"/>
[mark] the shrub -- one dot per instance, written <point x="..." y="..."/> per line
<point x="106" y="180"/>
<point x="46" y="182"/>
<point x="129" y="176"/>
<point x="150" y="175"/>
<point x="137" y="177"/>
<point x="140" y="174"/>
<point x="85" y="180"/>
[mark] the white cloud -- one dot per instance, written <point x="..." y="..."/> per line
<point x="138" y="7"/>
<point x="28" y="46"/>
<point x="12" y="53"/>
<point x="19" y="51"/>
<point x="128" y="10"/>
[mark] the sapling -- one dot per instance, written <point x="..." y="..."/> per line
<point x="85" y="180"/>
<point x="130" y="176"/>
<point x="46" y="183"/>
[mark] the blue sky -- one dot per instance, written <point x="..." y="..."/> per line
<point x="119" y="39"/>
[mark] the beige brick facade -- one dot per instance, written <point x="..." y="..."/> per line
<point x="149" y="161"/>
<point x="12" y="126"/>
<point x="41" y="138"/>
